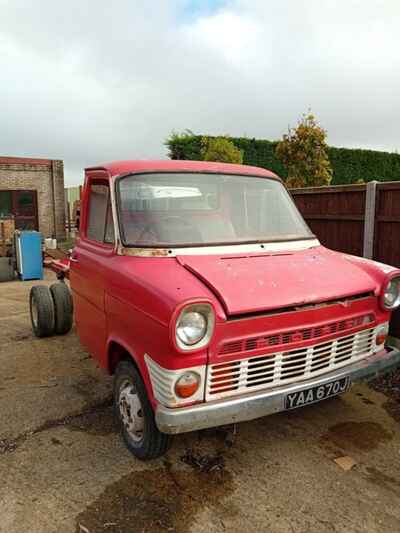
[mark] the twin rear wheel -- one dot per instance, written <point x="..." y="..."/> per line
<point x="51" y="309"/>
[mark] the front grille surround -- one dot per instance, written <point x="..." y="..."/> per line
<point x="298" y="335"/>
<point x="284" y="367"/>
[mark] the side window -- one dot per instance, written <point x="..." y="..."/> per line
<point x="100" y="225"/>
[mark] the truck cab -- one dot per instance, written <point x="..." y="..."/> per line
<point x="201" y="288"/>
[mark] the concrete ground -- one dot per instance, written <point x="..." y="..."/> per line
<point x="63" y="467"/>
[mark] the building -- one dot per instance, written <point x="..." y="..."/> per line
<point x="32" y="190"/>
<point x="73" y="198"/>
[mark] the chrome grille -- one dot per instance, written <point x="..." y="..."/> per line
<point x="273" y="370"/>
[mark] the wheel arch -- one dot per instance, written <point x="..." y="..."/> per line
<point x="117" y="351"/>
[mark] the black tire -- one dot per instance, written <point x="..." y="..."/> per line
<point x="41" y="308"/>
<point x="63" y="307"/>
<point x="152" y="443"/>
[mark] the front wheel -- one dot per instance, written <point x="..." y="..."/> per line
<point x="135" y="414"/>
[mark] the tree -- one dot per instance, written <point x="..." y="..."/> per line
<point x="221" y="149"/>
<point x="303" y="151"/>
<point x="183" y="145"/>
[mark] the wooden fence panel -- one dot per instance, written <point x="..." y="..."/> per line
<point x="337" y="214"/>
<point x="387" y="225"/>
<point x="387" y="234"/>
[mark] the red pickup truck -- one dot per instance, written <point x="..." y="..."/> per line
<point x="201" y="288"/>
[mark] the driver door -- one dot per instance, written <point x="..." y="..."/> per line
<point x="95" y="247"/>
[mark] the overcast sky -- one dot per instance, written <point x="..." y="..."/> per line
<point x="88" y="81"/>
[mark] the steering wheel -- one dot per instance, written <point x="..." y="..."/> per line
<point x="149" y="228"/>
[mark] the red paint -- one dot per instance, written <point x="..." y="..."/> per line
<point x="118" y="168"/>
<point x="263" y="282"/>
<point x="133" y="301"/>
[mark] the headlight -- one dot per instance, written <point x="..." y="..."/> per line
<point x="391" y="294"/>
<point x="194" y="326"/>
<point x="191" y="328"/>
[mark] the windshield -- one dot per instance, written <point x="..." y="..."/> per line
<point x="185" y="209"/>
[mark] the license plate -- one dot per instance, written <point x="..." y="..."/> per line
<point x="316" y="394"/>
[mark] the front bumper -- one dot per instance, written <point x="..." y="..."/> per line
<point x="256" y="405"/>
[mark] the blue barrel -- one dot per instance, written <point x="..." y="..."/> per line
<point x="28" y="246"/>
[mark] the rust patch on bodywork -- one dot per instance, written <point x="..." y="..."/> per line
<point x="144" y="252"/>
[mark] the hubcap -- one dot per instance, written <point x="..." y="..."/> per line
<point x="131" y="411"/>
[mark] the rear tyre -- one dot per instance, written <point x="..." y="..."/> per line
<point x="135" y="415"/>
<point x="42" y="311"/>
<point x="63" y="307"/>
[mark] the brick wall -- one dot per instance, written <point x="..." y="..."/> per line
<point x="47" y="178"/>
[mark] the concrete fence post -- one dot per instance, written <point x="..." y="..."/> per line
<point x="369" y="220"/>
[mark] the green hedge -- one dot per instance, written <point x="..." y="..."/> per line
<point x="349" y="166"/>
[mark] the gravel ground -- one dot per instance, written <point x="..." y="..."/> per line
<point x="63" y="467"/>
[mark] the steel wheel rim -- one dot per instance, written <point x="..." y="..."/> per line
<point x="131" y="411"/>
